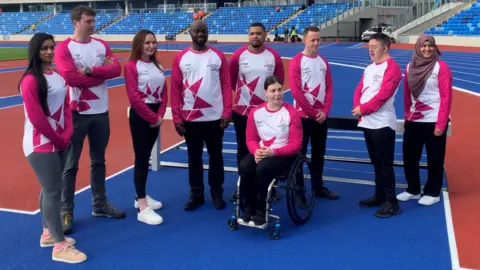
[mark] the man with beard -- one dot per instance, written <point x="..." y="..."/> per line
<point x="312" y="89"/>
<point x="249" y="66"/>
<point x="201" y="98"/>
<point x="86" y="63"/>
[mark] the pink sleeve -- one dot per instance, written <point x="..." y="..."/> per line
<point x="328" y="89"/>
<point x="233" y="67"/>
<point x="176" y="89"/>
<point x="226" y="86"/>
<point x="136" y="101"/>
<point x="445" y="87"/>
<point x="67" y="69"/>
<point x="279" y="68"/>
<point x="407" y="98"/>
<point x="252" y="137"/>
<point x="357" y="95"/>
<point x="67" y="116"/>
<point x="295" y="80"/>
<point x="295" y="137"/>
<point x="163" y="104"/>
<point x="35" y="112"/>
<point x="110" y="71"/>
<point x="391" y="80"/>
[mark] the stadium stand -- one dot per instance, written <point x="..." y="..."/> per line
<point x="14" y="22"/>
<point x="465" y="23"/>
<point x="61" y="24"/>
<point x="316" y="15"/>
<point x="158" y="22"/>
<point x="236" y="20"/>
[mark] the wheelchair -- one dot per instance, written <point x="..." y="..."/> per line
<point x="295" y="196"/>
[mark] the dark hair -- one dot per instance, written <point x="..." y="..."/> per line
<point x="382" y="38"/>
<point x="257" y="24"/>
<point x="310" y="29"/>
<point x="35" y="67"/>
<point x="137" y="47"/>
<point x="77" y="12"/>
<point x="271" y="80"/>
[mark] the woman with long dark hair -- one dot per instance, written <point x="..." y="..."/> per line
<point x="274" y="139"/>
<point x="427" y="103"/>
<point x="147" y="92"/>
<point x="47" y="132"/>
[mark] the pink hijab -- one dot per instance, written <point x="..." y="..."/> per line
<point x="421" y="68"/>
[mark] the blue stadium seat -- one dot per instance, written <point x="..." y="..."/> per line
<point x="61" y="23"/>
<point x="317" y="14"/>
<point x="464" y="23"/>
<point x="158" y="22"/>
<point x="236" y="20"/>
<point x="14" y="22"/>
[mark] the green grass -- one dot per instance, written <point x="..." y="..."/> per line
<point x="7" y="54"/>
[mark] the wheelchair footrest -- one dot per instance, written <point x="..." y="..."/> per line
<point x="251" y="224"/>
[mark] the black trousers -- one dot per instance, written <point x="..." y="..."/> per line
<point x="381" y="149"/>
<point x="257" y="177"/>
<point x="143" y="138"/>
<point x="240" y="125"/>
<point x="316" y="134"/>
<point x="210" y="133"/>
<point x="415" y="137"/>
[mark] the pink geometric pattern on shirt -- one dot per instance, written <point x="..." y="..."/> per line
<point x="267" y="143"/>
<point x="317" y="104"/>
<point x="82" y="104"/>
<point x="198" y="104"/>
<point x="56" y="117"/>
<point x="420" y="106"/>
<point x="153" y="94"/>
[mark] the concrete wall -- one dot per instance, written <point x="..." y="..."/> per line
<point x="445" y="40"/>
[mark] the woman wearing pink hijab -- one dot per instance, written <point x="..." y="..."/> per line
<point x="428" y="99"/>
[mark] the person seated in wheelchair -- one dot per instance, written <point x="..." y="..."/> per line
<point x="274" y="140"/>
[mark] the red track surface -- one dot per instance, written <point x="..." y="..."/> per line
<point x="18" y="180"/>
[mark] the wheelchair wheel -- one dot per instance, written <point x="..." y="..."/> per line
<point x="300" y="193"/>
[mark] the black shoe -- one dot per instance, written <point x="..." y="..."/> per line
<point x="371" y="202"/>
<point x="325" y="193"/>
<point x="67" y="222"/>
<point x="260" y="219"/>
<point x="194" y="202"/>
<point x="388" y="210"/>
<point x="109" y="211"/>
<point x="247" y="216"/>
<point x="219" y="203"/>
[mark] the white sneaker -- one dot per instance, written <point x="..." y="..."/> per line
<point x="149" y="216"/>
<point x="428" y="200"/>
<point x="405" y="196"/>
<point x="155" y="205"/>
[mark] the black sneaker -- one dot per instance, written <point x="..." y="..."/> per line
<point x="371" y="202"/>
<point x="388" y="210"/>
<point x="193" y="203"/>
<point x="325" y="193"/>
<point x="219" y="203"/>
<point x="67" y="222"/>
<point x="301" y="200"/>
<point x="108" y="211"/>
<point x="260" y="218"/>
<point x="247" y="216"/>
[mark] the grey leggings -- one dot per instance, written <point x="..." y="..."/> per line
<point x="48" y="168"/>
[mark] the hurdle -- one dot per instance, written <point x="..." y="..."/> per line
<point x="334" y="123"/>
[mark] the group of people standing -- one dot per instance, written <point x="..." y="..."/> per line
<point x="67" y="104"/>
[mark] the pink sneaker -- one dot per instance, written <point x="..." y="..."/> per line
<point x="47" y="241"/>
